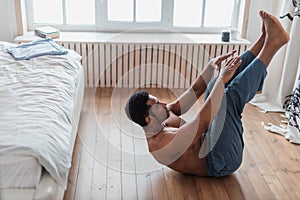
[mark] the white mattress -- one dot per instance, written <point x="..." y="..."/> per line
<point x="47" y="188"/>
<point x="32" y="136"/>
<point x="19" y="172"/>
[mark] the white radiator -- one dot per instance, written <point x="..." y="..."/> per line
<point x="146" y="65"/>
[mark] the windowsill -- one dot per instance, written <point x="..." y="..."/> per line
<point x="166" y="38"/>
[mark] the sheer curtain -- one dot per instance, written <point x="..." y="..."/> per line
<point x="283" y="70"/>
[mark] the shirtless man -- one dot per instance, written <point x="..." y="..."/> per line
<point x="212" y="143"/>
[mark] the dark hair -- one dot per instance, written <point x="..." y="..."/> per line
<point x="136" y="107"/>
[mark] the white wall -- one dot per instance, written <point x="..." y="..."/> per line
<point x="7" y="21"/>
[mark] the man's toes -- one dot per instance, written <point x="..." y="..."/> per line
<point x="261" y="13"/>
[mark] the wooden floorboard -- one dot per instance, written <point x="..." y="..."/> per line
<point x="128" y="167"/>
<point x="111" y="159"/>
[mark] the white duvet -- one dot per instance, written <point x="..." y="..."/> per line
<point x="36" y="109"/>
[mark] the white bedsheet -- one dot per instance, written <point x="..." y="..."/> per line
<point x="19" y="172"/>
<point x="36" y="108"/>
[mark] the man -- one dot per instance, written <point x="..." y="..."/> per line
<point x="212" y="143"/>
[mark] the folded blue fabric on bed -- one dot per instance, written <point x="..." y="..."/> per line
<point x="36" y="48"/>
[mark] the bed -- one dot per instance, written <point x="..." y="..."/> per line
<point x="40" y="104"/>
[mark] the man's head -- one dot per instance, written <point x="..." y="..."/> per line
<point x="145" y="110"/>
<point x="137" y="109"/>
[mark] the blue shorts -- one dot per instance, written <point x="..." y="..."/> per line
<point x="225" y="154"/>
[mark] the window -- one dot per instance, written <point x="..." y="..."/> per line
<point x="210" y="16"/>
<point x="134" y="11"/>
<point x="187" y="13"/>
<point x="120" y="10"/>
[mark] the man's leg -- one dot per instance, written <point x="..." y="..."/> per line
<point x="247" y="57"/>
<point x="276" y="37"/>
<point x="245" y="85"/>
<point x="226" y="155"/>
<point x="264" y="48"/>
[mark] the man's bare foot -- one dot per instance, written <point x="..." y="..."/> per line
<point x="276" y="34"/>
<point x="275" y="38"/>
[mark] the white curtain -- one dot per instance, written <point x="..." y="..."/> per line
<point x="287" y="67"/>
<point x="283" y="70"/>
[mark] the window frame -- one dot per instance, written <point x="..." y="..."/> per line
<point x="102" y="24"/>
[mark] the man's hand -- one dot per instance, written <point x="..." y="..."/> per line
<point x="216" y="62"/>
<point x="229" y="69"/>
<point x="174" y="121"/>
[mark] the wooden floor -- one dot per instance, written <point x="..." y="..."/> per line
<point x="111" y="160"/>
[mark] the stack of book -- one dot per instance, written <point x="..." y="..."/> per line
<point x="47" y="32"/>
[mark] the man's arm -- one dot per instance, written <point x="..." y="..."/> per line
<point x="213" y="103"/>
<point x="190" y="96"/>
